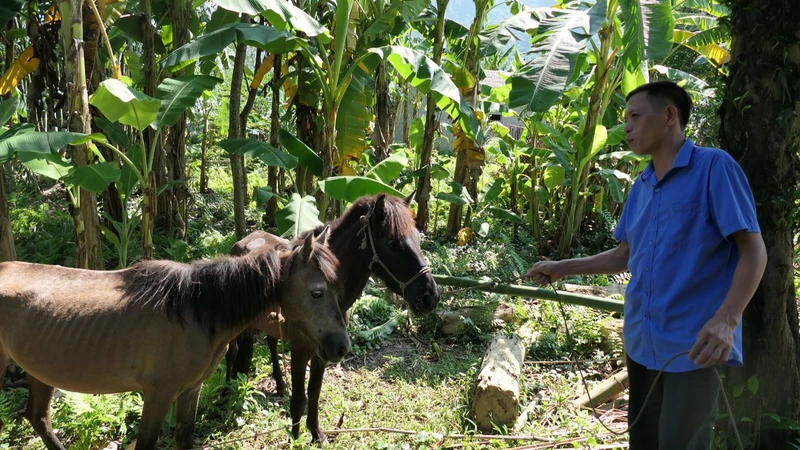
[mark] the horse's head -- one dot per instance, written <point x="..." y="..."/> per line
<point x="310" y="298"/>
<point x="394" y="243"/>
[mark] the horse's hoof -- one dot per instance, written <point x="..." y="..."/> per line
<point x="320" y="439"/>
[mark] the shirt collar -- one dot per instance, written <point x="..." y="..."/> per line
<point x="682" y="160"/>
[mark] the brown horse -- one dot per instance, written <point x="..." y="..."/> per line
<point x="376" y="234"/>
<point x="159" y="327"/>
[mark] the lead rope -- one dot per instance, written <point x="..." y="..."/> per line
<point x="652" y="387"/>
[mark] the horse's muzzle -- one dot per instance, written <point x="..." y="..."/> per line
<point x="335" y="345"/>
<point x="426" y="303"/>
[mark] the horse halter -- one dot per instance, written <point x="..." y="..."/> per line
<point x="377" y="259"/>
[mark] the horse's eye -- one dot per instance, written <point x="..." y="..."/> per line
<point x="391" y="243"/>
<point x="316" y="293"/>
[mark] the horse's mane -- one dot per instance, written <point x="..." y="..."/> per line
<point x="396" y="221"/>
<point x="224" y="291"/>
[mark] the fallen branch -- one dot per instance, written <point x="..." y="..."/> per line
<point x="554" y="444"/>
<point x="501" y="437"/>
<point x="605" y="391"/>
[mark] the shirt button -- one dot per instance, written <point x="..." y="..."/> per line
<point x="650" y="243"/>
<point x="658" y="189"/>
<point x="654" y="217"/>
<point x="644" y="318"/>
<point x="647" y="269"/>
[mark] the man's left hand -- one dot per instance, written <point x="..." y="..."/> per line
<point x="714" y="342"/>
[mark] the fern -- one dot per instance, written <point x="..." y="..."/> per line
<point x="519" y="264"/>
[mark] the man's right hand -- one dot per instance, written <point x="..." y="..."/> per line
<point x="545" y="272"/>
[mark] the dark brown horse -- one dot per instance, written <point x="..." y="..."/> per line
<point x="375" y="235"/>
<point x="159" y="327"/>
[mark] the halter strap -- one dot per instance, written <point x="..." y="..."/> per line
<point x="377" y="259"/>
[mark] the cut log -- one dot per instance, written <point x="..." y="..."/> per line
<point x="605" y="391"/>
<point x="495" y="398"/>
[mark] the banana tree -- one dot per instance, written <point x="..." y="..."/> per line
<point x="120" y="103"/>
<point x="699" y="26"/>
<point x="431" y="124"/>
<point x="382" y="20"/>
<point x="337" y="80"/>
<point x="577" y="41"/>
<point x="39" y="152"/>
<point x="8" y="110"/>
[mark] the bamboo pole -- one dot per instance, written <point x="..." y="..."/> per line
<point x="531" y="292"/>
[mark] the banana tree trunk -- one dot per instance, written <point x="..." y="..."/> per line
<point x="406" y="115"/>
<point x="149" y="193"/>
<point x="88" y="252"/>
<point x="381" y="138"/>
<point x="431" y="125"/>
<point x="7" y="250"/>
<point x="468" y="170"/>
<point x="172" y="202"/>
<point x="235" y="131"/>
<point x="203" y="149"/>
<point x="275" y="123"/>
<point x="308" y="130"/>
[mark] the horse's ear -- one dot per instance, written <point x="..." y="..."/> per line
<point x="380" y="206"/>
<point x="322" y="238"/>
<point x="308" y="247"/>
<point x="410" y="197"/>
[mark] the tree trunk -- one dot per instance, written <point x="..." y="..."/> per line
<point x="150" y="200"/>
<point x="203" y="148"/>
<point x="431" y="125"/>
<point x="308" y="130"/>
<point x="275" y="123"/>
<point x="172" y="202"/>
<point x="461" y="177"/>
<point x="234" y="131"/>
<point x="468" y="168"/>
<point x="761" y="129"/>
<point x="380" y="135"/>
<point x="7" y="251"/>
<point x="85" y="217"/>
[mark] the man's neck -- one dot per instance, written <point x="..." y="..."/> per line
<point x="664" y="157"/>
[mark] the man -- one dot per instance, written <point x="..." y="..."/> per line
<point x="690" y="238"/>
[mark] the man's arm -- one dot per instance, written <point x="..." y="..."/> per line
<point x="609" y="262"/>
<point x="715" y="340"/>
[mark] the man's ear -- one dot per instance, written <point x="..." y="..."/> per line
<point x="673" y="117"/>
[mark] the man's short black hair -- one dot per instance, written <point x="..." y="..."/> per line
<point x="670" y="92"/>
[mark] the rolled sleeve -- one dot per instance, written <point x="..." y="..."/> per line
<point x="731" y="200"/>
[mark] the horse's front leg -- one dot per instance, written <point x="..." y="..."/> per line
<point x="280" y="386"/>
<point x="38" y="412"/>
<point x="185" y="414"/>
<point x="5" y="361"/>
<point x="300" y="357"/>
<point x="156" y="405"/>
<point x="314" y="389"/>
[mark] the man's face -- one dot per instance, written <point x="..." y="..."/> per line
<point x="645" y="124"/>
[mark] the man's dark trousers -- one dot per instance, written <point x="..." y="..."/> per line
<point x="680" y="413"/>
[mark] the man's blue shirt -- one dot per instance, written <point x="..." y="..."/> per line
<point x="682" y="254"/>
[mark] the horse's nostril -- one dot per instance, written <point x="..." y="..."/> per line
<point x="342" y="350"/>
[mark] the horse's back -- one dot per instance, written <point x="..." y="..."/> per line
<point x="259" y="240"/>
<point x="72" y="329"/>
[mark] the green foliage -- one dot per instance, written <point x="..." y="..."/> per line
<point x="42" y="233"/>
<point x="88" y="419"/>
